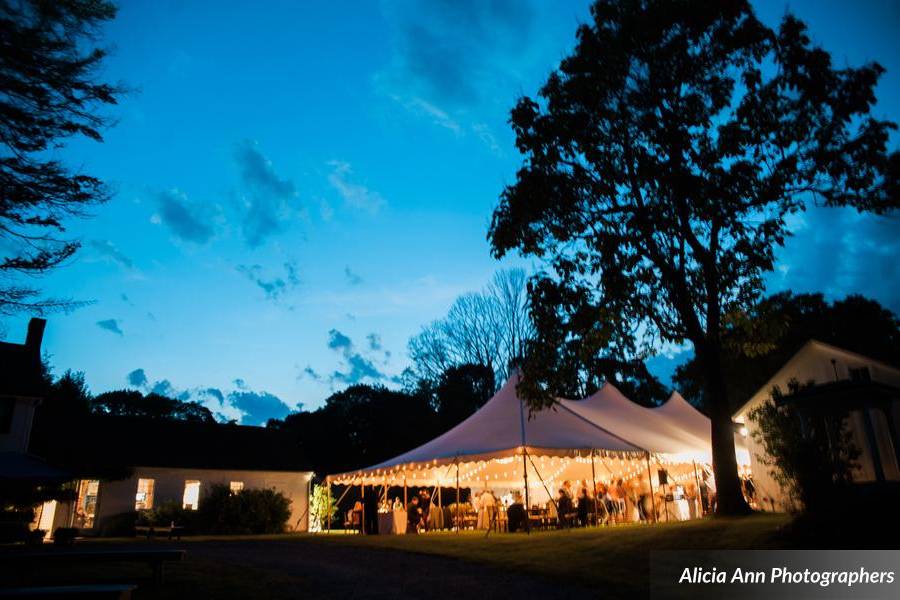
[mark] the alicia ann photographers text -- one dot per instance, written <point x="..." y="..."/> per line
<point x="783" y="575"/>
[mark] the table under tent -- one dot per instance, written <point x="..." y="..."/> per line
<point x="605" y="441"/>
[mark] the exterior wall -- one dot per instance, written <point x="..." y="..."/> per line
<point x="16" y="439"/>
<point x="116" y="497"/>
<point x="813" y="363"/>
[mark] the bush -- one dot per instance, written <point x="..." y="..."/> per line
<point x="169" y="513"/>
<point x="811" y="456"/>
<point x="119" y="525"/>
<point x="249" y="511"/>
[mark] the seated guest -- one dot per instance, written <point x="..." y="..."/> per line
<point x="515" y="514"/>
<point x="585" y="506"/>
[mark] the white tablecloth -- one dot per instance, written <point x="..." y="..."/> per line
<point x="393" y="522"/>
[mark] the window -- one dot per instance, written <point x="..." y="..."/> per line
<point x="236" y="486"/>
<point x="86" y="506"/>
<point x="143" y="499"/>
<point x="191" y="498"/>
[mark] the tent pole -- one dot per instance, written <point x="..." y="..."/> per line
<point x="652" y="495"/>
<point x="527" y="500"/>
<point x="456" y="508"/>
<point x="698" y="500"/>
<point x="541" y="479"/>
<point x="594" y="489"/>
<point x="405" y="502"/>
<point x="328" y="504"/>
<point x="362" y="495"/>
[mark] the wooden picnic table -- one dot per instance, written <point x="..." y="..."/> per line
<point x="155" y="558"/>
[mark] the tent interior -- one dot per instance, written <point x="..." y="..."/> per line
<point x="660" y="453"/>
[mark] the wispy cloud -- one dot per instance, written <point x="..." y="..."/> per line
<point x="354" y="194"/>
<point x="274" y="287"/>
<point x="839" y="251"/>
<point x="243" y="404"/>
<point x="266" y="198"/>
<point x="111" y="325"/>
<point x="137" y="378"/>
<point x="187" y="221"/>
<point x="107" y="250"/>
<point x="451" y="58"/>
<point x="352" y="277"/>
<point x="356" y="368"/>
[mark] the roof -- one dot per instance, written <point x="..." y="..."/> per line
<point x="107" y="443"/>
<point x="502" y="427"/>
<point x="809" y="347"/>
<point x="20" y="467"/>
<point x="20" y="364"/>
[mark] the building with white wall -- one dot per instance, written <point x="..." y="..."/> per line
<point x="866" y="389"/>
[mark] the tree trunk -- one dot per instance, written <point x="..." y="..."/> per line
<point x="729" y="498"/>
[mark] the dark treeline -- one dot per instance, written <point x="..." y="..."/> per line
<point x="366" y="424"/>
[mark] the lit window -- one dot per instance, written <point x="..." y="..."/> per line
<point x="86" y="506"/>
<point x="236" y="486"/>
<point x="143" y="499"/>
<point x="191" y="498"/>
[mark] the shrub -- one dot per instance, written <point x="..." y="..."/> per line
<point x="249" y="511"/>
<point x="118" y="525"/>
<point x="811" y="457"/>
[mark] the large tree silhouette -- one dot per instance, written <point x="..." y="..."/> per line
<point x="661" y="160"/>
<point x="48" y="92"/>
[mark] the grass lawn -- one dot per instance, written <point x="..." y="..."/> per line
<point x="617" y="556"/>
<point x="614" y="559"/>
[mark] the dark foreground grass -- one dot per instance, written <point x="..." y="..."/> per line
<point x="613" y="560"/>
<point x="615" y="556"/>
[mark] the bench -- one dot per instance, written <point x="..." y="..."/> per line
<point x="112" y="592"/>
<point x="151" y="530"/>
<point x="155" y="558"/>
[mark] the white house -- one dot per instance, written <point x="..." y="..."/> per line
<point x="129" y="464"/>
<point x="868" y="389"/>
<point x="121" y="465"/>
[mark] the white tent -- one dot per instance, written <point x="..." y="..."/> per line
<point x="492" y="445"/>
<point x="647" y="428"/>
<point x="682" y="415"/>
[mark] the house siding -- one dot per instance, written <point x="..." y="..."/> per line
<point x="117" y="497"/>
<point x="813" y="363"/>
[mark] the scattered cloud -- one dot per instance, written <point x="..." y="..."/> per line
<point x="356" y="367"/>
<point x="137" y="378"/>
<point x="274" y="287"/>
<point x="451" y="58"/>
<point x="258" y="407"/>
<point x="108" y="251"/>
<point x="266" y="197"/>
<point x="352" y="277"/>
<point x="186" y="220"/>
<point x="241" y="404"/>
<point x="374" y="342"/>
<point x="838" y="251"/>
<point x="355" y="195"/>
<point x="111" y="325"/>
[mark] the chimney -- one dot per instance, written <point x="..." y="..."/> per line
<point x="35" y="335"/>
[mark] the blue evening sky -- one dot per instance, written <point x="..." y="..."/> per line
<point x="300" y="186"/>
